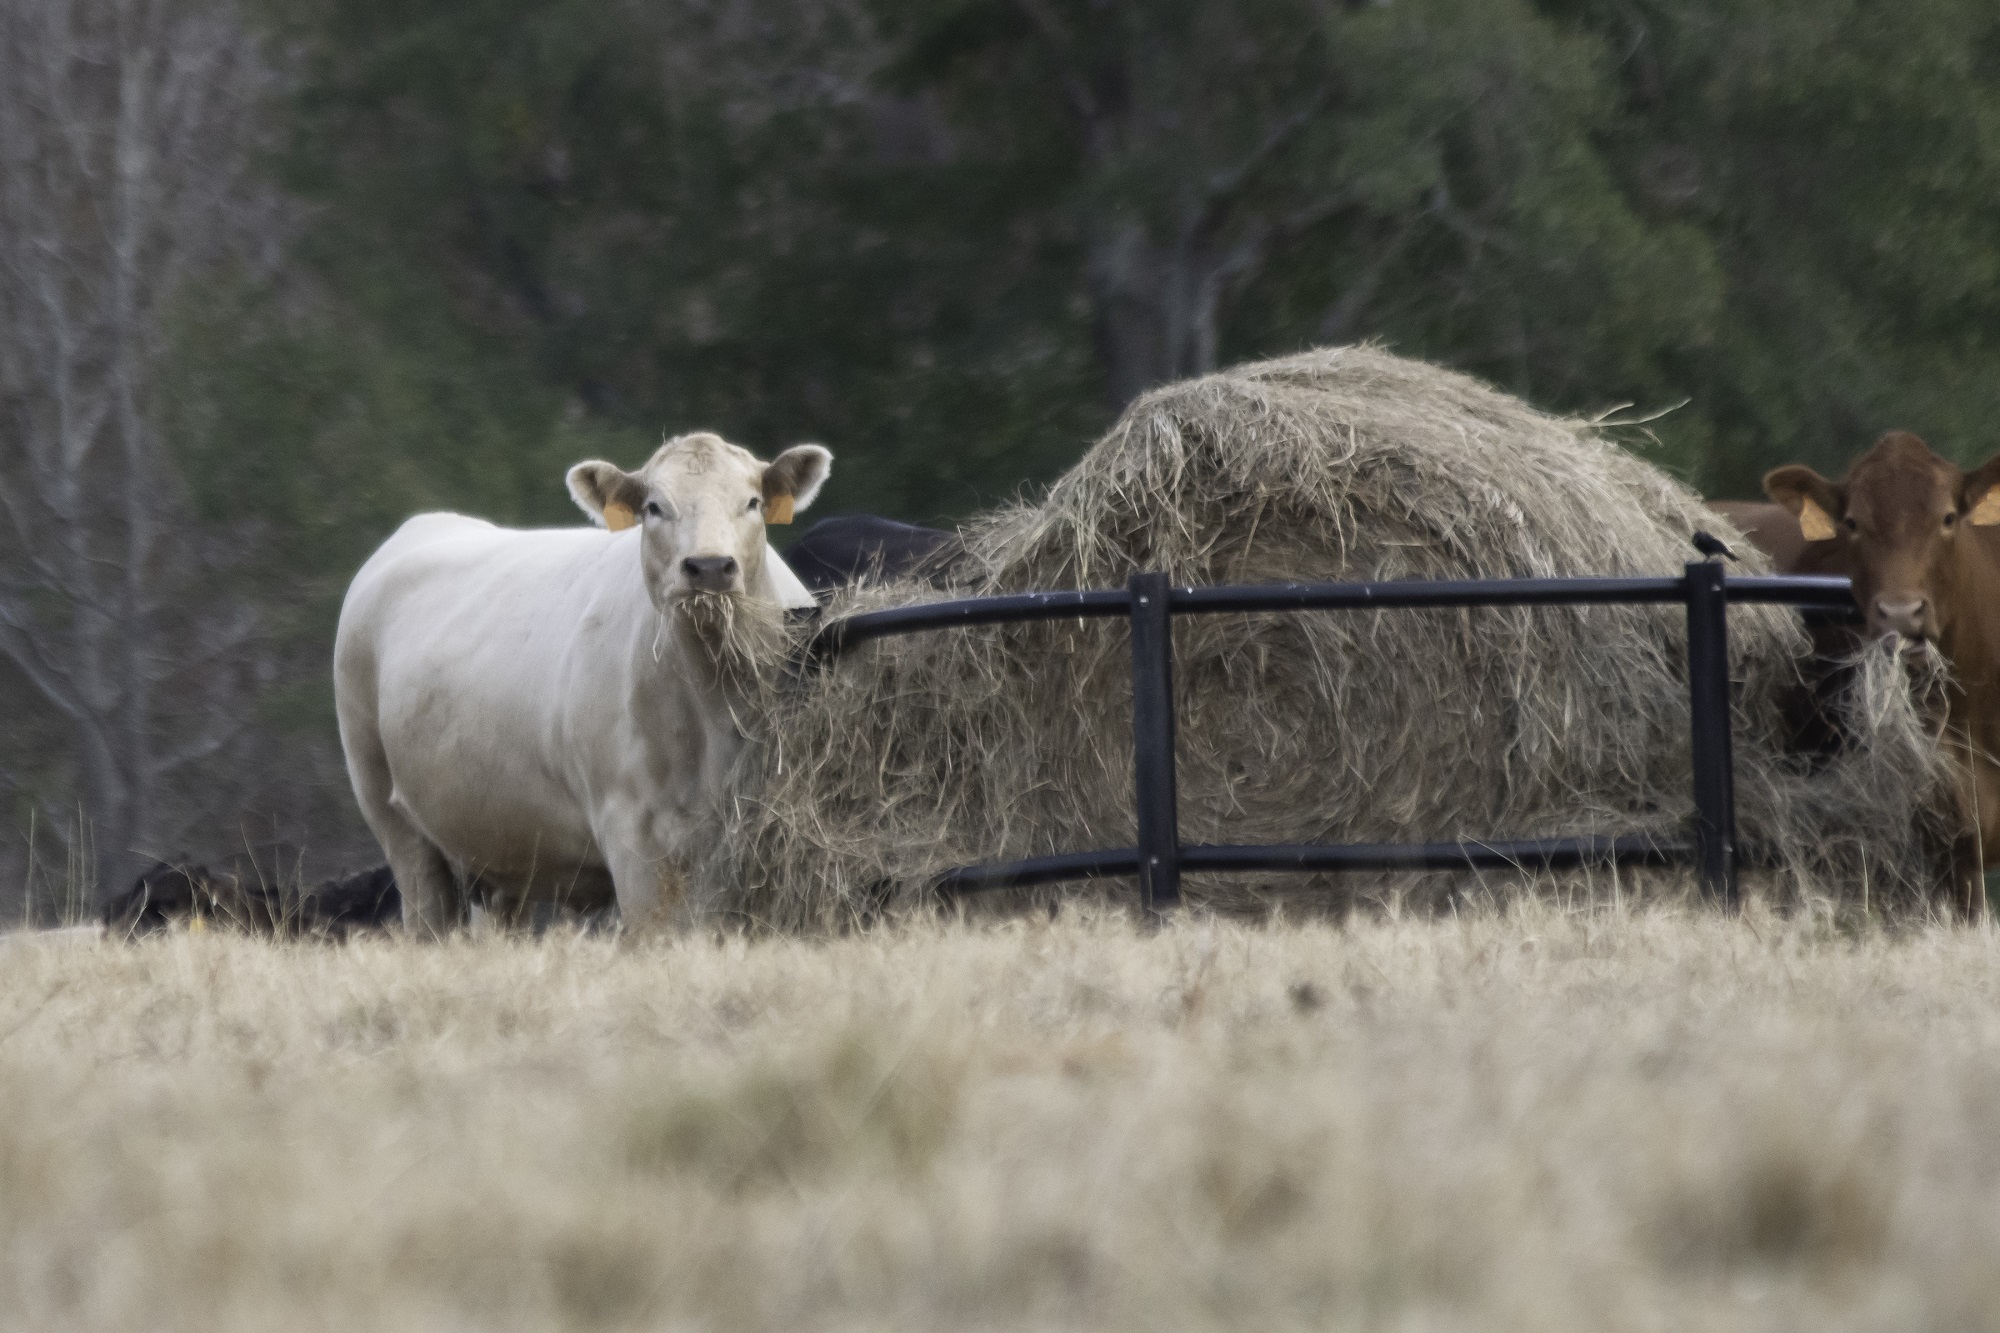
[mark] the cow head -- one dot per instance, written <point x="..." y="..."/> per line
<point x="701" y="504"/>
<point x="1894" y="525"/>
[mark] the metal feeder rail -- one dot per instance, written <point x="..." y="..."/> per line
<point x="1149" y="603"/>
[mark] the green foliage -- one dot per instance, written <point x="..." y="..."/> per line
<point x="1841" y="160"/>
<point x="544" y="222"/>
<point x="1490" y="229"/>
<point x="542" y="229"/>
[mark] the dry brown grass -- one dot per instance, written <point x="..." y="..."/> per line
<point x="1537" y="1119"/>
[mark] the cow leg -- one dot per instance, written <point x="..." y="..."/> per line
<point x="433" y="903"/>
<point x="1966" y="898"/>
<point x="652" y="890"/>
<point x="670" y="908"/>
<point x="1972" y="850"/>
<point x="1973" y="897"/>
<point x="1974" y="855"/>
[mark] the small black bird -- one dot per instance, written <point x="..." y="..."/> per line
<point x="1711" y="546"/>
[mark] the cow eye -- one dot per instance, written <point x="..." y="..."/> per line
<point x="653" y="509"/>
<point x="756" y="503"/>
<point x="1950" y="519"/>
<point x="1850" y="525"/>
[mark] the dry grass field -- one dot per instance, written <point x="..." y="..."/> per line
<point x="1529" y="1119"/>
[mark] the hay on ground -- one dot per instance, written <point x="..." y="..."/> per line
<point x="918" y="753"/>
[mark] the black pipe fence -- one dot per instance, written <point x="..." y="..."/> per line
<point x="1149" y="603"/>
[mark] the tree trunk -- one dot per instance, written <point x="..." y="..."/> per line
<point x="1157" y="308"/>
<point x="124" y="135"/>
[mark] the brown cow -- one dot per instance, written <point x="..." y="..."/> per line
<point x="1921" y="541"/>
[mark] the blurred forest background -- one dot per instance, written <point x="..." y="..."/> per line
<point x="275" y="274"/>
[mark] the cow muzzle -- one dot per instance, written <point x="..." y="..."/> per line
<point x="1908" y="617"/>
<point x="711" y="573"/>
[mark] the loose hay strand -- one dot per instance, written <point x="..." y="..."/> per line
<point x="915" y="754"/>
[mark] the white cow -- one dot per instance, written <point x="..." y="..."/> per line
<point x="548" y="714"/>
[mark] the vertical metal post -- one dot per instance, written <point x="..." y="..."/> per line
<point x="1157" y="799"/>
<point x="1708" y="700"/>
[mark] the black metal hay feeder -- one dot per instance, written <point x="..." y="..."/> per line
<point x="1149" y="603"/>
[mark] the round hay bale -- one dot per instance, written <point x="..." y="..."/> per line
<point x="911" y="755"/>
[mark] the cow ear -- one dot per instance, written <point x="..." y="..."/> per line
<point x="1816" y="502"/>
<point x="793" y="479"/>
<point x="608" y="493"/>
<point x="1979" y="497"/>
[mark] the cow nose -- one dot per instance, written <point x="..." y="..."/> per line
<point x="1904" y="617"/>
<point x="710" y="573"/>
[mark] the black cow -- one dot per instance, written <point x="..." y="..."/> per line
<point x="368" y="900"/>
<point x="839" y="552"/>
<point x="240" y="896"/>
<point x="169" y="892"/>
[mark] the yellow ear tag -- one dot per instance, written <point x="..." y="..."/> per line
<point x="1817" y="526"/>
<point x="1987" y="512"/>
<point x="778" y="509"/>
<point x="619" y="517"/>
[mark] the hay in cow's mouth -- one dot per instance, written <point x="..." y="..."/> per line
<point x="747" y="635"/>
<point x="915" y="754"/>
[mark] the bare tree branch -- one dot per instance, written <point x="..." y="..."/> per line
<point x="218" y="645"/>
<point x="1339" y="319"/>
<point x="27" y="539"/>
<point x="166" y="765"/>
<point x="1302" y="220"/>
<point x="23" y="650"/>
<point x="125" y="127"/>
<point x="1055" y="35"/>
<point x="1224" y="188"/>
